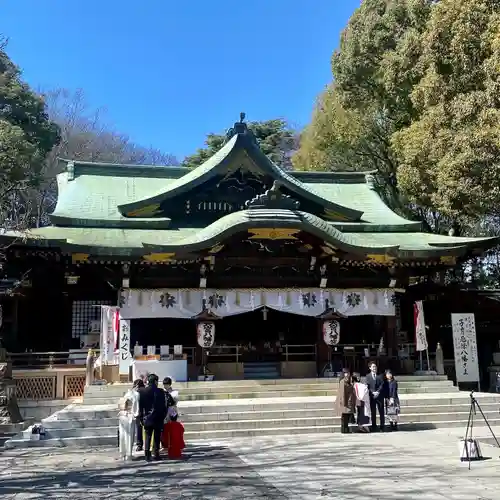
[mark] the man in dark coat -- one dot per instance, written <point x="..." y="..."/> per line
<point x="377" y="388"/>
<point x="153" y="410"/>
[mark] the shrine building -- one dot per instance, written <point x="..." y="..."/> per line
<point x="267" y="256"/>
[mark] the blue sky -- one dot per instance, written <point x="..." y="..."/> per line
<point x="168" y="72"/>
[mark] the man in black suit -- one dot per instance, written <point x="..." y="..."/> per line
<point x="377" y="388"/>
<point x="153" y="410"/>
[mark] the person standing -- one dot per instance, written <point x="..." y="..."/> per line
<point x="362" y="403"/>
<point x="153" y="410"/>
<point x="136" y="395"/>
<point x="171" y="398"/>
<point x="377" y="388"/>
<point x="392" y="406"/>
<point x="345" y="401"/>
<point x="126" y="429"/>
<point x="174" y="437"/>
<point x="129" y="406"/>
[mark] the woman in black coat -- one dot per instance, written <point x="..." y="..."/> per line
<point x="392" y="406"/>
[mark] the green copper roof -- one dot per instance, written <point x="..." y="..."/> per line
<point x="102" y="241"/>
<point x="90" y="195"/>
<point x="218" y="163"/>
<point x="93" y="198"/>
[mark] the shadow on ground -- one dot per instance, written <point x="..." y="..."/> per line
<point x="312" y="467"/>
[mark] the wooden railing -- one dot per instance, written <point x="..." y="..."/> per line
<point x="304" y="352"/>
<point x="28" y="360"/>
<point x="225" y="353"/>
<point x="236" y="353"/>
<point x="49" y="375"/>
<point x="49" y="383"/>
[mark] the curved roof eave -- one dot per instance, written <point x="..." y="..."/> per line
<point x="123" y="222"/>
<point x="213" y="165"/>
<point x="487" y="242"/>
<point x="264" y="218"/>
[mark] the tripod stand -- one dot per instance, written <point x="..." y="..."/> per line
<point x="470" y="447"/>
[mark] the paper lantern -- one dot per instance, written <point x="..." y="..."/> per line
<point x="331" y="332"/>
<point x="206" y="334"/>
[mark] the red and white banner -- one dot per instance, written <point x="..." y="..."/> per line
<point x="116" y="327"/>
<point x="420" y="333"/>
<point x="109" y="335"/>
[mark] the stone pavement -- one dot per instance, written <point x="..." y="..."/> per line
<point x="394" y="466"/>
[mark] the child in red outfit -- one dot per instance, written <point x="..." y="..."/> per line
<point x="174" y="437"/>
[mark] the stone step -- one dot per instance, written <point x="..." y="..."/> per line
<point x="255" y="385"/>
<point x="109" y="418"/>
<point x="268" y="404"/>
<point x="273" y="431"/>
<point x="270" y="394"/>
<point x="112" y="391"/>
<point x="109" y="421"/>
<point x="305" y="420"/>
<point x="110" y="439"/>
<point x="279" y="381"/>
<point x="8" y="431"/>
<point x="5" y="436"/>
<point x="259" y="416"/>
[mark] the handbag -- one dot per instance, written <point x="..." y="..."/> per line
<point x="391" y="410"/>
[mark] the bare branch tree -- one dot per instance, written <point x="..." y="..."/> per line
<point x="86" y="136"/>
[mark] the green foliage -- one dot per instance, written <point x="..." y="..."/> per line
<point x="26" y="133"/>
<point x="276" y="139"/>
<point x="415" y="95"/>
<point x="213" y="143"/>
<point x="373" y="70"/>
<point x="451" y="150"/>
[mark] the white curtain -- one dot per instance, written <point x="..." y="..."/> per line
<point x="187" y="303"/>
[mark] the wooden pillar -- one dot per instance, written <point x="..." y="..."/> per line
<point x="391" y="337"/>
<point x="15" y="320"/>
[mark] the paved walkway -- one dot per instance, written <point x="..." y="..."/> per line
<point x="398" y="466"/>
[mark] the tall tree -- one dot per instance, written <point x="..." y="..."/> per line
<point x="373" y="71"/>
<point x="276" y="138"/>
<point x="451" y="150"/>
<point x="415" y="95"/>
<point x="26" y="136"/>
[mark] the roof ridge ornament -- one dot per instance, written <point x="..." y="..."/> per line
<point x="240" y="128"/>
<point x="273" y="198"/>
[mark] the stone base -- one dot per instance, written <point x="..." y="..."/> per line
<point x="9" y="410"/>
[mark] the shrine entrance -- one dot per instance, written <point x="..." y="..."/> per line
<point x="263" y="334"/>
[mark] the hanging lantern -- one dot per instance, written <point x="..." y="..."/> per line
<point x="206" y="334"/>
<point x="331" y="332"/>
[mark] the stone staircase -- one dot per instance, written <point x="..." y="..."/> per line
<point x="229" y="409"/>
<point x="261" y="371"/>
<point x="9" y="431"/>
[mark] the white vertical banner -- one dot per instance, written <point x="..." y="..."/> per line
<point x="124" y="347"/>
<point x="465" y="346"/>
<point x="420" y="333"/>
<point x="107" y="342"/>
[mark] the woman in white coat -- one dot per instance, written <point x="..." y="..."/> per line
<point x="362" y="403"/>
<point x="128" y="421"/>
